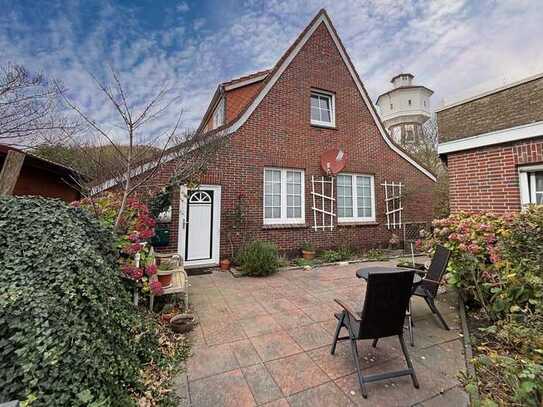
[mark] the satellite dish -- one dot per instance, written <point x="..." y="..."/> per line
<point x="333" y="161"/>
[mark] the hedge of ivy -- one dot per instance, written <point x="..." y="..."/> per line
<point x="69" y="334"/>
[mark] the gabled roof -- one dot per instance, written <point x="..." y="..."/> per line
<point x="41" y="163"/>
<point x="227" y="86"/>
<point x="273" y="76"/>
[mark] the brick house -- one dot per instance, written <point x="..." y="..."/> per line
<point x="278" y="123"/>
<point x="492" y="144"/>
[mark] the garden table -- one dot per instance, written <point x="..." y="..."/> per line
<point x="365" y="272"/>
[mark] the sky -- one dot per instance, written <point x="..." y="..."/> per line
<point x="455" y="47"/>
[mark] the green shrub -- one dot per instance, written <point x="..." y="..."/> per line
<point x="333" y="256"/>
<point x="259" y="258"/>
<point x="300" y="262"/>
<point x="514" y="348"/>
<point x="69" y="334"/>
<point x="497" y="262"/>
<point x="472" y="240"/>
<point x="308" y="247"/>
<point x="375" y="254"/>
<point x="520" y="262"/>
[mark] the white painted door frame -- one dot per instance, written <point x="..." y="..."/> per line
<point x="182" y="233"/>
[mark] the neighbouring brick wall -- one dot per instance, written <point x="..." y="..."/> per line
<point x="511" y="107"/>
<point x="486" y="179"/>
<point x="279" y="134"/>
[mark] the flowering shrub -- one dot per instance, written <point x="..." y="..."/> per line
<point x="135" y="228"/>
<point x="497" y="262"/>
<point x="472" y="240"/>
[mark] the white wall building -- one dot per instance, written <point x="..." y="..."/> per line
<point x="404" y="109"/>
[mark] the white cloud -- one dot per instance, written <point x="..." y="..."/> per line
<point x="450" y="45"/>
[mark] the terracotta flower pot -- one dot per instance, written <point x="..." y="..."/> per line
<point x="308" y="254"/>
<point x="165" y="277"/>
<point x="225" y="264"/>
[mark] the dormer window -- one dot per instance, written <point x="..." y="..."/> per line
<point x="323" y="109"/>
<point x="409" y="102"/>
<point x="218" y="115"/>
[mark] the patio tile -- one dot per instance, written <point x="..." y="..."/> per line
<point x="196" y="336"/>
<point x="217" y="332"/>
<point x="455" y="397"/>
<point x="277" y="403"/>
<point x="446" y="358"/>
<point x="275" y="346"/>
<point x="337" y="365"/>
<point x="311" y="336"/>
<point x="398" y="391"/>
<point x="319" y="313"/>
<point x="261" y="383"/>
<point x="296" y="373"/>
<point x="292" y="319"/>
<point x="206" y="361"/>
<point x="245" y="353"/>
<point x="429" y="332"/>
<point x="242" y="311"/>
<point x="259" y="325"/>
<point x="325" y="395"/>
<point x="329" y="326"/>
<point x="301" y="299"/>
<point x="277" y="305"/>
<point x="227" y="389"/>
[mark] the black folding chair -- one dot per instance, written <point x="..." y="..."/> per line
<point x="382" y="315"/>
<point x="430" y="283"/>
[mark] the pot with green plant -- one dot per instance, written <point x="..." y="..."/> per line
<point x="308" y="251"/>
<point x="165" y="273"/>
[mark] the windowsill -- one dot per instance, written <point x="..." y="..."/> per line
<point x="358" y="223"/>
<point x="285" y="226"/>
<point x="324" y="126"/>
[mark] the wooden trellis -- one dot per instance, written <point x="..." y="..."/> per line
<point x="322" y="192"/>
<point x="393" y="204"/>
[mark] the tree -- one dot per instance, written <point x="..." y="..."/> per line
<point x="426" y="153"/>
<point x="131" y="138"/>
<point x="29" y="108"/>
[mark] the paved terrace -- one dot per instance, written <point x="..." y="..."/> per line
<point x="266" y="342"/>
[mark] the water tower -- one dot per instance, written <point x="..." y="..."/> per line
<point x="404" y="109"/>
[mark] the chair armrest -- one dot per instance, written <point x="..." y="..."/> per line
<point x="348" y="309"/>
<point x="427" y="280"/>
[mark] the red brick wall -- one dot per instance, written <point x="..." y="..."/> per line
<point x="279" y="134"/>
<point x="486" y="179"/>
<point x="237" y="99"/>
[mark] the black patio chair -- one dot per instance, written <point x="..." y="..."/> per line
<point x="382" y="315"/>
<point x="430" y="283"/>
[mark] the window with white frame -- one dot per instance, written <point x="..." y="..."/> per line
<point x="355" y="198"/>
<point x="323" y="109"/>
<point x="531" y="185"/>
<point x="283" y="196"/>
<point x="218" y="115"/>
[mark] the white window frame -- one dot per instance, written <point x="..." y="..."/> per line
<point x="527" y="184"/>
<point x="283" y="220"/>
<point x="219" y="114"/>
<point x="354" y="189"/>
<point x="332" y="97"/>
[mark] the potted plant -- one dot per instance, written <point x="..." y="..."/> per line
<point x="165" y="273"/>
<point x="308" y="251"/>
<point x="225" y="264"/>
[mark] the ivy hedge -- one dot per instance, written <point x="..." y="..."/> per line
<point x="69" y="334"/>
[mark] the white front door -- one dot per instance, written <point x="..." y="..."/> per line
<point x="199" y="229"/>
